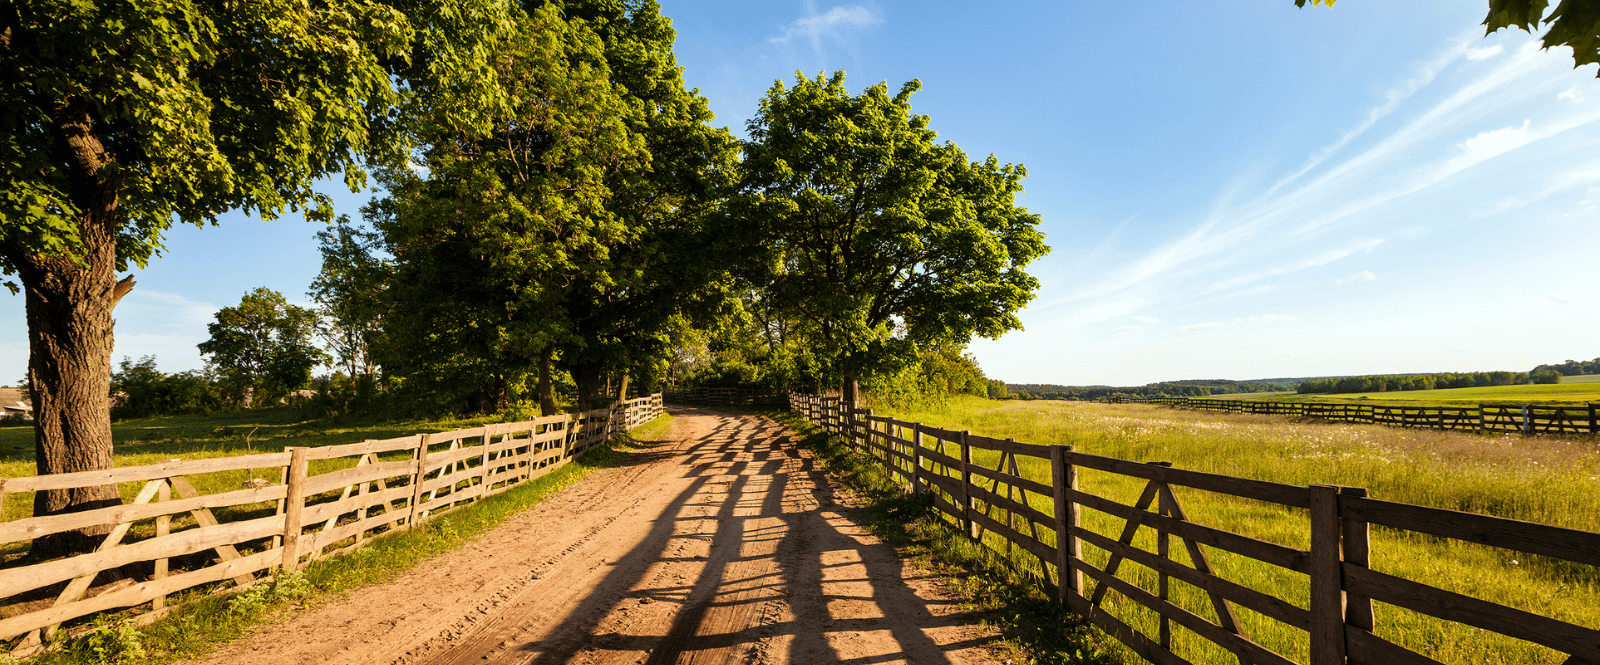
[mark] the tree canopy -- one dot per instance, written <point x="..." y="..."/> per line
<point x="870" y="237"/>
<point x="263" y="345"/>
<point x="118" y="119"/>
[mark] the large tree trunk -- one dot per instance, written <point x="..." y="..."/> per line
<point x="591" y="386"/>
<point x="69" y="306"/>
<point x="547" y="397"/>
<point x="622" y="391"/>
<point x="852" y="393"/>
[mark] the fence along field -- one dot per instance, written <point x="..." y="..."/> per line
<point x="1509" y="418"/>
<point x="328" y="500"/>
<point x="1333" y="586"/>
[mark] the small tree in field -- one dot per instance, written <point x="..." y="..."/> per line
<point x="263" y="346"/>
<point x="873" y="239"/>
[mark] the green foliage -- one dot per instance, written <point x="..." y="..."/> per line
<point x="111" y="642"/>
<point x="139" y="390"/>
<point x="187" y="109"/>
<point x="937" y="375"/>
<point x="1396" y="382"/>
<point x="871" y="240"/>
<point x="996" y="389"/>
<point x="263" y="344"/>
<point x="568" y="230"/>
<point x="489" y="238"/>
<point x="1573" y="367"/>
<point x="1186" y="388"/>
<point x="1544" y="376"/>
<point x="352" y="293"/>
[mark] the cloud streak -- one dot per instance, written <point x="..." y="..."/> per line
<point x="835" y="25"/>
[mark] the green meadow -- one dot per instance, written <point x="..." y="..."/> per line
<point x="1540" y="479"/>
<point x="1572" y="391"/>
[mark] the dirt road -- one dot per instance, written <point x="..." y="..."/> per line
<point x="719" y="544"/>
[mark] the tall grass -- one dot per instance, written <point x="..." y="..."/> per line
<point x="1540" y="479"/>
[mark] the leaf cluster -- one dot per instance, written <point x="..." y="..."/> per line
<point x="873" y="239"/>
<point x="188" y="109"/>
<point x="264" y="344"/>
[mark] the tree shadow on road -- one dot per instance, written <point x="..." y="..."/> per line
<point x="753" y="561"/>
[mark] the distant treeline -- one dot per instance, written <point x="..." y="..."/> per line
<point x="1187" y="388"/>
<point x="1397" y="382"/>
<point x="1573" y="367"/>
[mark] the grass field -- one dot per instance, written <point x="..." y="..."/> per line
<point x="1573" y="390"/>
<point x="1549" y="480"/>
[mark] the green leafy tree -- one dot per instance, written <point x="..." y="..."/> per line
<point x="566" y="235"/>
<point x="623" y="315"/>
<point x="488" y="240"/>
<point x="352" y="295"/>
<point x="263" y="346"/>
<point x="118" y="119"/>
<point x="872" y="238"/>
<point x="139" y="390"/>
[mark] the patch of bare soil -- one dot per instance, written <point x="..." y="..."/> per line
<point x="720" y="544"/>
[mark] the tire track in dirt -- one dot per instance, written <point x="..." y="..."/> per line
<point x="720" y="544"/>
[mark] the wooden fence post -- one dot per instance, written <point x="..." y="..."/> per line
<point x="1356" y="548"/>
<point x="966" y="482"/>
<point x="1327" y="578"/>
<point x="1594" y="422"/>
<point x="1064" y="477"/>
<point x="483" y="467"/>
<point x="916" y="457"/>
<point x="294" y="503"/>
<point x="1480" y="418"/>
<point x="1527" y="421"/>
<point x="868" y="434"/>
<point x="416" y="479"/>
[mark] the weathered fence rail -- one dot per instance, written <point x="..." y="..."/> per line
<point x="728" y="396"/>
<point x="1338" y="619"/>
<point x="1511" y="418"/>
<point x="327" y="500"/>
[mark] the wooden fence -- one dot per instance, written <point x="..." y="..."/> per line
<point x="728" y="396"/>
<point x="1338" y="620"/>
<point x="327" y="500"/>
<point x="1513" y="418"/>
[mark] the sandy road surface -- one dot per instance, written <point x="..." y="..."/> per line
<point x="718" y="544"/>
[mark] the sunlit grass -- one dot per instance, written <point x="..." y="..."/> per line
<point x="1572" y="391"/>
<point x="1541" y="479"/>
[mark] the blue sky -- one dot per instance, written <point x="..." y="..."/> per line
<point x="1232" y="189"/>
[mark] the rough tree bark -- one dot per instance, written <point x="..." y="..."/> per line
<point x="69" y="305"/>
<point x="547" y="397"/>
<point x="852" y="393"/>
<point x="591" y="385"/>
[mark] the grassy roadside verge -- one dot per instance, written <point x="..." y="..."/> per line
<point x="210" y="622"/>
<point x="1034" y="628"/>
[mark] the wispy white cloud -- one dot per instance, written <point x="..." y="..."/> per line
<point x="1197" y="327"/>
<point x="835" y="24"/>
<point x="1459" y="125"/>
<point x="1271" y="318"/>
<point x="1484" y="53"/>
<point x="1146" y="320"/>
<point x="1315" y="261"/>
<point x="1357" y="278"/>
<point x="1570" y="94"/>
<point x="1127" y="329"/>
